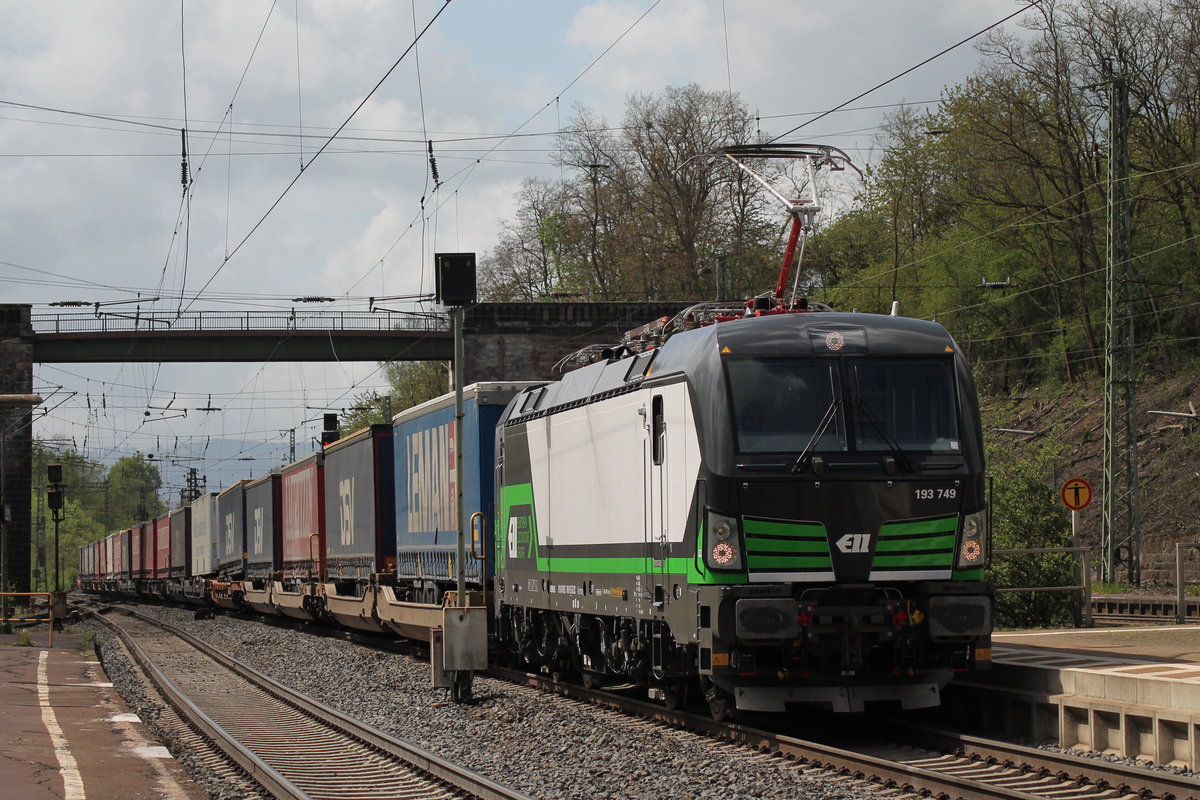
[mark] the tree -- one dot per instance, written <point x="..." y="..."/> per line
<point x="1006" y="180"/>
<point x="645" y="214"/>
<point x="1026" y="514"/>
<point x="412" y="383"/>
<point x="133" y="488"/>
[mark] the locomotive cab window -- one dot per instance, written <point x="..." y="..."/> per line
<point x="780" y="405"/>
<point x="905" y="404"/>
<point x="659" y="429"/>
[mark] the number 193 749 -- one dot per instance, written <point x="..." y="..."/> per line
<point x="935" y="494"/>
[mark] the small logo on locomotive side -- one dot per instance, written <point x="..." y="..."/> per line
<point x="835" y="341"/>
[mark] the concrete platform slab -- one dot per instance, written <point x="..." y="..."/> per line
<point x="67" y="734"/>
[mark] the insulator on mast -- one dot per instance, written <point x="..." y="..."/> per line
<point x="433" y="165"/>
<point x="183" y="165"/>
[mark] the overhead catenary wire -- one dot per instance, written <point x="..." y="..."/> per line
<point x="913" y="68"/>
<point x="321" y="150"/>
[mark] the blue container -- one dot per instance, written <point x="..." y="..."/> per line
<point x="360" y="508"/>
<point x="426" y="529"/>
<point x="230" y="532"/>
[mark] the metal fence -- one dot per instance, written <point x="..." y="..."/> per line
<point x="125" y="322"/>
<point x="1083" y="578"/>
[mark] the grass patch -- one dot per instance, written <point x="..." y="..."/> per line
<point x="1113" y="587"/>
<point x="87" y="643"/>
<point x="24" y="638"/>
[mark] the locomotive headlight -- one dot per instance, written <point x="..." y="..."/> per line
<point x="972" y="547"/>
<point x="722" y="545"/>
<point x="723" y="530"/>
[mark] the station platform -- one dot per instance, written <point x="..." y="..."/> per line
<point x="1127" y="691"/>
<point x="67" y="734"/>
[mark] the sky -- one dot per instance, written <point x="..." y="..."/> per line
<point x="94" y="96"/>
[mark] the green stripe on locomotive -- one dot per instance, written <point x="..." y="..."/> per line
<point x="770" y="546"/>
<point x="928" y="544"/>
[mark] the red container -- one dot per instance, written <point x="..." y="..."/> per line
<point x="162" y="546"/>
<point x="120" y="557"/>
<point x="136" y="547"/>
<point x="146" y="532"/>
<point x="303" y="515"/>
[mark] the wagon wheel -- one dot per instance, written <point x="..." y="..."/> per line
<point x="460" y="686"/>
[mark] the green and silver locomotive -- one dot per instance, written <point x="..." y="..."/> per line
<point x="781" y="508"/>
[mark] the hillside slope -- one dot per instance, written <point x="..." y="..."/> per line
<point x="1071" y="419"/>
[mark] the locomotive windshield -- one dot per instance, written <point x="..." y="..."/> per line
<point x="904" y="404"/>
<point x="866" y="404"/>
<point x="779" y="404"/>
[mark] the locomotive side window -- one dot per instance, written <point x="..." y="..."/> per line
<point x="779" y="404"/>
<point x="905" y="403"/>
<point x="659" y="429"/>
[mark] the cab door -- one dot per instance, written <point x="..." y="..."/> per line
<point x="657" y="473"/>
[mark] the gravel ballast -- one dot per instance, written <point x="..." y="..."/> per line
<point x="544" y="745"/>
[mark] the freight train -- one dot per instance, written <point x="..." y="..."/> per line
<point x="769" y="502"/>
<point x="785" y="508"/>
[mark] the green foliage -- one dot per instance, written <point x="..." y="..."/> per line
<point x="87" y="642"/>
<point x="1112" y="587"/>
<point x="133" y="492"/>
<point x="96" y="502"/>
<point x="412" y="383"/>
<point x="1026" y="514"/>
<point x="1004" y="182"/>
<point x="24" y="638"/>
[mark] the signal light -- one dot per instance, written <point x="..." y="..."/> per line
<point x="54" y="473"/>
<point x="723" y="554"/>
<point x="54" y="499"/>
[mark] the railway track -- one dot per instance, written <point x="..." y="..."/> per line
<point x="291" y="746"/>
<point x="913" y="761"/>
<point x="917" y="761"/>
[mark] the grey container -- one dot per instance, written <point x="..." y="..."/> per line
<point x="264" y="526"/>
<point x="181" y="542"/>
<point x="231" y="532"/>
<point x="360" y="505"/>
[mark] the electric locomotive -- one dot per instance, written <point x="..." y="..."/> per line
<point x="778" y="503"/>
<point x="789" y="508"/>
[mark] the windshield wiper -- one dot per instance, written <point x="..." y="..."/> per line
<point x="872" y="421"/>
<point x="817" y="434"/>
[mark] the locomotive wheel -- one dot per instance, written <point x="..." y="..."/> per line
<point x="590" y="680"/>
<point x="675" y="694"/>
<point x="460" y="686"/>
<point x="720" y="704"/>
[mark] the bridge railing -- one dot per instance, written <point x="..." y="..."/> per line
<point x="127" y="322"/>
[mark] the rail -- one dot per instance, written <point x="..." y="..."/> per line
<point x="203" y="321"/>
<point x="1083" y="603"/>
